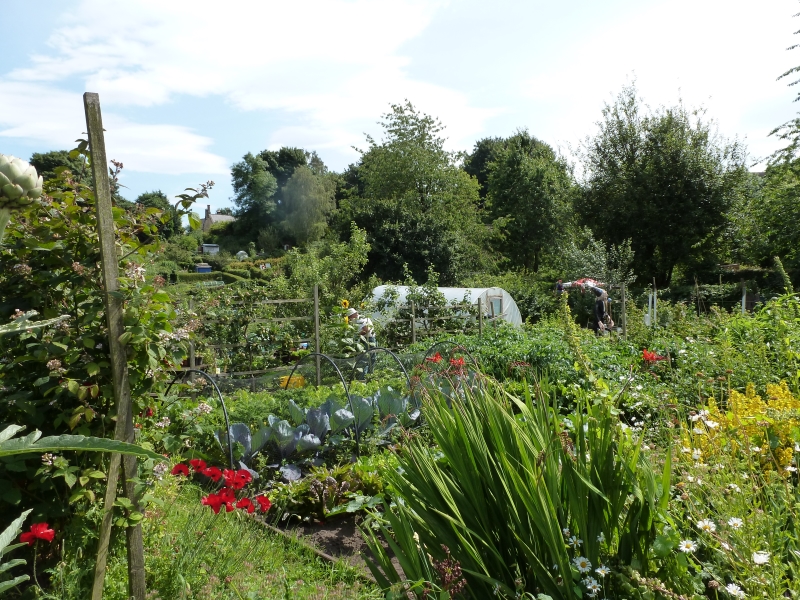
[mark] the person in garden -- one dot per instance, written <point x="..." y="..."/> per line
<point x="363" y="325"/>
<point x="602" y="317"/>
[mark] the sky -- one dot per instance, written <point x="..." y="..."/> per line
<point x="187" y="87"/>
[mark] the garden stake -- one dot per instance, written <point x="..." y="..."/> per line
<point x="123" y="430"/>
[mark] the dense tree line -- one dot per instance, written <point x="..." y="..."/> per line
<point x="658" y="189"/>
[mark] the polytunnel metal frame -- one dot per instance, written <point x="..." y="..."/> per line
<point x="344" y="384"/>
<point x="375" y="350"/>
<point x="183" y="374"/>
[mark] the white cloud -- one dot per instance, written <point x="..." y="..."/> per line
<point x="331" y="65"/>
<point x="722" y="56"/>
<point x="38" y="112"/>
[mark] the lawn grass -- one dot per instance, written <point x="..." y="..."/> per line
<point x="192" y="553"/>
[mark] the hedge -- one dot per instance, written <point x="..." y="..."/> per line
<point x="213" y="276"/>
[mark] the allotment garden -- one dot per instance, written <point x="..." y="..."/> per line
<point x="535" y="461"/>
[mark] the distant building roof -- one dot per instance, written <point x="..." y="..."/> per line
<point x="210" y="219"/>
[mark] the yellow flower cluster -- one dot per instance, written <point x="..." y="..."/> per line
<point x="762" y="429"/>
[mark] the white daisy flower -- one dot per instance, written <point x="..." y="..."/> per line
<point x="565" y="531"/>
<point x="734" y="590"/>
<point x="601" y="538"/>
<point x="575" y="542"/>
<point x="735" y="522"/>
<point x="687" y="546"/>
<point x="686" y="450"/>
<point x="583" y="564"/>
<point x="698" y="431"/>
<point x="761" y="557"/>
<point x="711" y="424"/>
<point x="697" y="454"/>
<point x="706" y="525"/>
<point x="602" y="570"/>
<point x="791" y="469"/>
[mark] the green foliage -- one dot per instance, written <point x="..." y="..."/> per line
<point x="6" y="537"/>
<point x="508" y="483"/>
<point x="308" y="198"/>
<point x="530" y="197"/>
<point x="663" y="180"/>
<point x="418" y="207"/>
<point x="227" y="277"/>
<point x="171" y="224"/>
<point x="254" y="188"/>
<point x="47" y="163"/>
<point x="58" y="380"/>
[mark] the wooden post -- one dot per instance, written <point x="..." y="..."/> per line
<point x="624" y="316"/>
<point x="480" y="317"/>
<point x="697" y="295"/>
<point x="413" y="324"/>
<point x="655" y="304"/>
<point x="744" y="296"/>
<point x="123" y="430"/>
<point x="316" y="332"/>
<point x="191" y="346"/>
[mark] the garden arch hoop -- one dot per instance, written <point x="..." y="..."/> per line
<point x="221" y="401"/>
<point x="374" y="351"/>
<point x="341" y="377"/>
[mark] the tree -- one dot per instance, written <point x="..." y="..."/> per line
<point x="418" y="207"/>
<point x="477" y="163"/>
<point x="530" y="198"/>
<point x="254" y="188"/>
<point x="309" y="199"/>
<point x="46" y="164"/>
<point x="158" y="199"/>
<point x="662" y="179"/>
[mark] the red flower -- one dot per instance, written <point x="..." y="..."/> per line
<point x="198" y="464"/>
<point x="457" y="362"/>
<point x="214" y="501"/>
<point x="434" y="359"/>
<point x="213" y="473"/>
<point x="180" y="469"/>
<point x="651" y="357"/>
<point x="246" y="504"/>
<point x="264" y="502"/>
<point x="39" y="531"/>
<point x="227" y="496"/>
<point x="148" y="412"/>
<point x="236" y="479"/>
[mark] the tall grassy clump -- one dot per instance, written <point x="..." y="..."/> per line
<point x="521" y="499"/>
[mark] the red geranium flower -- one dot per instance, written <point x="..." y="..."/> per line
<point x="264" y="502"/>
<point x="180" y="469"/>
<point x="213" y="473"/>
<point x="435" y="358"/>
<point x="39" y="531"/>
<point x="246" y="504"/>
<point x="198" y="464"/>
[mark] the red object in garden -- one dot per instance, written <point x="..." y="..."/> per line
<point x="39" y="531"/>
<point x="214" y="501"/>
<point x="651" y="357"/>
<point x="246" y="504"/>
<point x="180" y="469"/>
<point x="436" y="358"/>
<point x="198" y="464"/>
<point x="264" y="502"/>
<point x="213" y="473"/>
<point x="236" y="479"/>
<point x="228" y="498"/>
<point x="457" y="362"/>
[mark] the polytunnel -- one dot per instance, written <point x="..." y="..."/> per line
<point x="495" y="301"/>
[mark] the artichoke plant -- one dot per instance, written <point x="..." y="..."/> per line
<point x="20" y="185"/>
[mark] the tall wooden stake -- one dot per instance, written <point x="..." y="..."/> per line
<point x="316" y="332"/>
<point x="624" y="315"/>
<point x="123" y="430"/>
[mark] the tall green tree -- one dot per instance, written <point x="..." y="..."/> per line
<point x="309" y="200"/>
<point x="531" y="190"/>
<point x="482" y="156"/>
<point x="254" y="189"/>
<point x="46" y="164"/>
<point x="158" y="199"/>
<point x="664" y="180"/>
<point x="418" y="206"/>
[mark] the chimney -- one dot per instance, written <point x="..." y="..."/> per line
<point x="208" y="211"/>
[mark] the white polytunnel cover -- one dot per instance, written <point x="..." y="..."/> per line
<point x="495" y="301"/>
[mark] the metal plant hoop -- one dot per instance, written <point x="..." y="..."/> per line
<point x="221" y="401"/>
<point x="344" y="385"/>
<point x="375" y="351"/>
